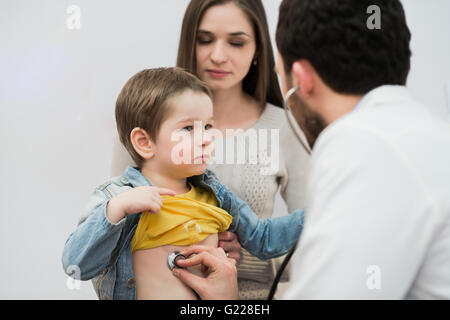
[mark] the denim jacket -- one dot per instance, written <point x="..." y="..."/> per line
<point x="101" y="251"/>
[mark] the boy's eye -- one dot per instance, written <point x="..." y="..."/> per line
<point x="208" y="126"/>
<point x="188" y="128"/>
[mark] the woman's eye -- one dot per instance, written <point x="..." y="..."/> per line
<point x="208" y="126"/>
<point x="188" y="128"/>
<point x="204" y="41"/>
<point x="237" y="44"/>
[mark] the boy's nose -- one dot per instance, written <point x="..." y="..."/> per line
<point x="207" y="138"/>
<point x="204" y="140"/>
<point x="202" y="137"/>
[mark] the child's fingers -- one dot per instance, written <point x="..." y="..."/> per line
<point x="157" y="199"/>
<point x="165" y="191"/>
<point x="154" y="207"/>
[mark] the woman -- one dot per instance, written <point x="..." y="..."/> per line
<point x="226" y="44"/>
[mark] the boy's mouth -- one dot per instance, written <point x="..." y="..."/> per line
<point x="202" y="158"/>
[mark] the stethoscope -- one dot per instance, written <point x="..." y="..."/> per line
<point x="300" y="137"/>
<point x="172" y="259"/>
<point x="293" y="123"/>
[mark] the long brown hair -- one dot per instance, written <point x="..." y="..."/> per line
<point x="261" y="81"/>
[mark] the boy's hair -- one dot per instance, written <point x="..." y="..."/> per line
<point x="334" y="37"/>
<point x="143" y="102"/>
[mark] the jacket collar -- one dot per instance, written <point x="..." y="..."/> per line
<point x="134" y="177"/>
<point x="386" y="94"/>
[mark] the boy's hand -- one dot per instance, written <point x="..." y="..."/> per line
<point x="136" y="200"/>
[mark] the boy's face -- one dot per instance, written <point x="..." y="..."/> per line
<point x="183" y="147"/>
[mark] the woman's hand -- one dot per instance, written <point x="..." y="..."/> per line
<point x="221" y="282"/>
<point x="228" y="241"/>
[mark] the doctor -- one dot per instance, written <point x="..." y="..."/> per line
<point x="377" y="223"/>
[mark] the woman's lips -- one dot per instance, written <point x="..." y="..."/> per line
<point x="218" y="73"/>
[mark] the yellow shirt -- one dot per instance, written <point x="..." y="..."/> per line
<point x="183" y="219"/>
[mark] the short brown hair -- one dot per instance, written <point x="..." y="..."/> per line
<point x="143" y="102"/>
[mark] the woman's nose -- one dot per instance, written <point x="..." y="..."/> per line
<point x="218" y="55"/>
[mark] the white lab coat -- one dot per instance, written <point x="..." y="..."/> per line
<point x="378" y="205"/>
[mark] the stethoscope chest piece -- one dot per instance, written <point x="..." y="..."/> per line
<point x="172" y="259"/>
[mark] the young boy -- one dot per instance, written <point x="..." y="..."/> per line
<point x="136" y="222"/>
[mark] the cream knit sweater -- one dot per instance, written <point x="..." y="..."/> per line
<point x="255" y="183"/>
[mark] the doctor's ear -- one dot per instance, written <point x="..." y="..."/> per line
<point x="303" y="77"/>
<point x="142" y="143"/>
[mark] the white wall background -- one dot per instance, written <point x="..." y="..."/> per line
<point x="57" y="94"/>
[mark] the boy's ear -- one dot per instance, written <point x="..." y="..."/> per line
<point x="142" y="143"/>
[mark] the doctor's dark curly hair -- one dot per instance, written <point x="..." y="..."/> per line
<point x="334" y="37"/>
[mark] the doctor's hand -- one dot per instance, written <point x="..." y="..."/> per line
<point x="221" y="282"/>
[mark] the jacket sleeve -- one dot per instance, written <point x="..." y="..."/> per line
<point x="88" y="249"/>
<point x="265" y="239"/>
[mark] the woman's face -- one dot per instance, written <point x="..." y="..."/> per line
<point x="225" y="46"/>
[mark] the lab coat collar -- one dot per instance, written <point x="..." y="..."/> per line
<point x="382" y="95"/>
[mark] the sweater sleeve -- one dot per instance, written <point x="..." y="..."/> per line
<point x="296" y="166"/>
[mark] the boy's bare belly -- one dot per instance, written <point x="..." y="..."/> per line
<point x="154" y="279"/>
